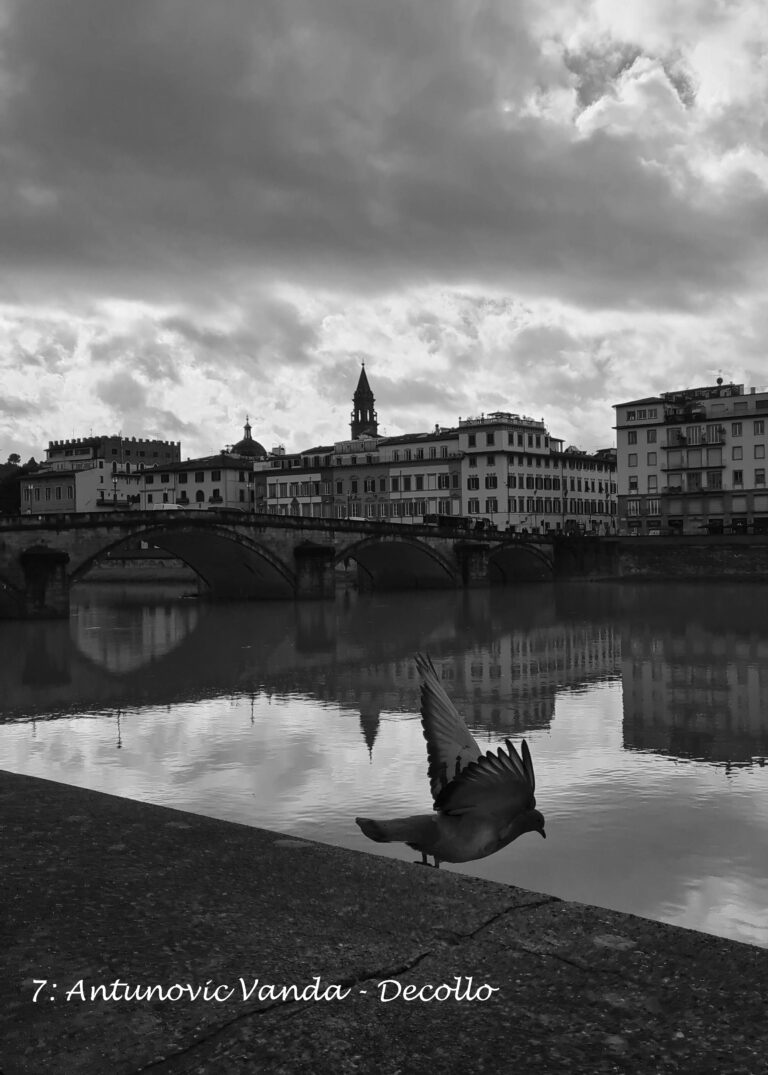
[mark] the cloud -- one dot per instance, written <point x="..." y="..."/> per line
<point x="531" y="204"/>
<point x="122" y="392"/>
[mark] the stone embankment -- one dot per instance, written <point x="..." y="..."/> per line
<point x="142" y="939"/>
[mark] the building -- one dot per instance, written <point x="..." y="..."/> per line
<point x="225" y="480"/>
<point x="93" y="473"/>
<point x="501" y="469"/>
<point x="516" y="476"/>
<point x="693" y="461"/>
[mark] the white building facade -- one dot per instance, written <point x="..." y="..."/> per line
<point x="693" y="461"/>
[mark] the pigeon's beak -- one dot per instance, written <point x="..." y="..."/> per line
<point x="542" y="833"/>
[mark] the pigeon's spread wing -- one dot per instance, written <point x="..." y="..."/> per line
<point x="498" y="784"/>
<point x="450" y="746"/>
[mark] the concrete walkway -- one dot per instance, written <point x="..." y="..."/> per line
<point x="104" y="898"/>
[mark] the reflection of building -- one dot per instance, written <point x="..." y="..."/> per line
<point x="693" y="461"/>
<point x="507" y="686"/>
<point x="696" y="694"/>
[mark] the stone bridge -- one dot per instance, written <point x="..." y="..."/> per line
<point x="243" y="556"/>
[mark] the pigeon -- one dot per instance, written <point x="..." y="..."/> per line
<point x="482" y="802"/>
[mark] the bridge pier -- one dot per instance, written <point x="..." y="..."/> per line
<point x="46" y="585"/>
<point x="315" y="573"/>
<point x="473" y="562"/>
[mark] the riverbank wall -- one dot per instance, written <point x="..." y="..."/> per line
<point x="139" y="938"/>
<point x="732" y="557"/>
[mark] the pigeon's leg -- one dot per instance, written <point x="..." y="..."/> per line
<point x="437" y="862"/>
<point x="424" y="860"/>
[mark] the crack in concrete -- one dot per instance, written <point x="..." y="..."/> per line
<point x="289" y="1009"/>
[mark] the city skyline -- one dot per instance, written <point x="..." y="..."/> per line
<point x="207" y="215"/>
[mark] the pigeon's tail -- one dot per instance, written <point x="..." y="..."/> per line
<point x="402" y="829"/>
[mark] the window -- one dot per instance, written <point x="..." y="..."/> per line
<point x="352" y="486"/>
<point x="443" y="481"/>
<point x="47" y="492"/>
<point x="419" y="483"/>
<point x="738" y="477"/>
<point x="632" y="436"/>
<point x="199" y="475"/>
<point x="735" y="429"/>
<point x="471" y="440"/>
<point x="653" y="483"/>
<point x="653" y="507"/>
<point x="182" y="478"/>
<point x="491" y="505"/>
<point x="490" y="460"/>
<point x="339" y="488"/>
<point x="473" y="481"/>
<point x="633" y="486"/>
<point x="473" y="507"/>
<point x="491" y="481"/>
<point x="407" y="483"/>
<point x="737" y="452"/>
<point x="651" y="459"/>
<point x="759" y="451"/>
<point x="473" y="460"/>
<point x="58" y="493"/>
<point x="632" y="459"/>
<point x="714" y="479"/>
<point x="758" y="427"/>
<point x="369" y="485"/>
<point x="165" y="478"/>
<point x="70" y="492"/>
<point x="633" y="507"/>
<point x="395" y="485"/>
<point x="760" y="476"/>
<point x="150" y="498"/>
<point x="631" y="416"/>
<point x="149" y="479"/>
<point x="650" y="436"/>
<point x="490" y="438"/>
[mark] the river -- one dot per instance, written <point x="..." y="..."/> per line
<point x="645" y="708"/>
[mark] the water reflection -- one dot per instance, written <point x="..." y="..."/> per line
<point x="695" y="675"/>
<point x="644" y="708"/>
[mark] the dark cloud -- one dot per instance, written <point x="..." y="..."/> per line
<point x="168" y="147"/>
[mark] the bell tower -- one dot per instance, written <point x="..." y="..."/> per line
<point x="364" y="416"/>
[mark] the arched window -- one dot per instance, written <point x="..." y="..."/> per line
<point x="199" y="496"/>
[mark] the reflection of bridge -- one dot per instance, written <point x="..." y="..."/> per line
<point x="237" y="555"/>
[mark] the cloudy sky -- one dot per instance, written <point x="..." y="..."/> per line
<point x="213" y="209"/>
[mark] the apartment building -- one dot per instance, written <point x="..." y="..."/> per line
<point x="518" y="477"/>
<point x="693" y="461"/>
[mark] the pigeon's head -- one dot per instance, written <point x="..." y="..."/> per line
<point x="535" y="823"/>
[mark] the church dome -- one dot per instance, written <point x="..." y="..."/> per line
<point x="248" y="446"/>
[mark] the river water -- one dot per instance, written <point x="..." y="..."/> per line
<point x="645" y="707"/>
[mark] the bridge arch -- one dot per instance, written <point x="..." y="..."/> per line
<point x="229" y="563"/>
<point x="520" y="561"/>
<point x="398" y="561"/>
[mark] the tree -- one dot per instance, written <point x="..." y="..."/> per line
<point x="14" y="459"/>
